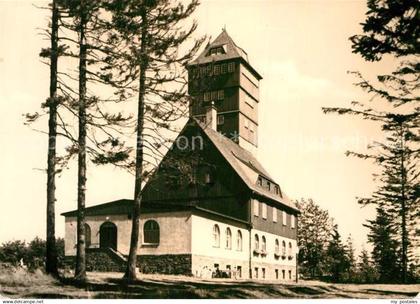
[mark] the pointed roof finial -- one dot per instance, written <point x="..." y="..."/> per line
<point x="224" y="28"/>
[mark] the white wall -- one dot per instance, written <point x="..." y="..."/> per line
<point x="175" y="232"/>
<point x="202" y="240"/>
<point x="270" y="248"/>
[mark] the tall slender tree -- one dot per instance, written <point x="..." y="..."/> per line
<point x="156" y="55"/>
<point x="384" y="252"/>
<point x="315" y="226"/>
<point x="51" y="250"/>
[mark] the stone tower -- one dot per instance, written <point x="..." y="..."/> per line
<point x="224" y="85"/>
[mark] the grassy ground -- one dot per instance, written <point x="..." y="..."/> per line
<point x="17" y="283"/>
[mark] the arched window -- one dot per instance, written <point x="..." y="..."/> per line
<point x="151" y="233"/>
<point x="257" y="242"/>
<point x="216" y="236"/>
<point x="228" y="238"/>
<point x="239" y="241"/>
<point x="264" y="244"/>
<point x="88" y="236"/>
<point x="283" y="248"/>
<point x="290" y="249"/>
<point x="277" y="247"/>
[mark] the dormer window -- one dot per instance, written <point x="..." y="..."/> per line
<point x="217" y="50"/>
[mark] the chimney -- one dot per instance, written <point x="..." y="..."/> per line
<point x="211" y="116"/>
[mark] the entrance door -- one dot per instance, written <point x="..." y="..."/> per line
<point x="108" y="236"/>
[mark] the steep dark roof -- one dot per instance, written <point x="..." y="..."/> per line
<point x="232" y="51"/>
<point x="245" y="164"/>
<point x="242" y="161"/>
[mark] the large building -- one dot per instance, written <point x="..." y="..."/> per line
<point x="210" y="208"/>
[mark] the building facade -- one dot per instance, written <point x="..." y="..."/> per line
<point x="210" y="209"/>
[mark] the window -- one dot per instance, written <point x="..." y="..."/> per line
<point x="206" y="96"/>
<point x="257" y="242"/>
<point x="216" y="236"/>
<point x="292" y="221"/>
<point x="284" y="273"/>
<point x="216" y="50"/>
<point x="290" y="249"/>
<point x="263" y="244"/>
<point x="151" y="232"/>
<point x="239" y="271"/>
<point x="277" y="274"/>
<point x="263" y="273"/>
<point x="224" y="68"/>
<point x="88" y="235"/>
<point x="256" y="272"/>
<point x="220" y="95"/>
<point x="208" y="178"/>
<point x="220" y="119"/>
<point x="284" y="218"/>
<point x="231" y="67"/>
<point x="283" y="248"/>
<point x="216" y="69"/>
<point x="239" y="241"/>
<point x="260" y="181"/>
<point x="264" y="210"/>
<point x="213" y="95"/>
<point x="274" y="214"/>
<point x="277" y="247"/>
<point x="256" y="211"/>
<point x="203" y="71"/>
<point x="290" y="274"/>
<point x="209" y="70"/>
<point x="228" y="239"/>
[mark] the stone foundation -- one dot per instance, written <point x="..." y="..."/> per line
<point x="97" y="260"/>
<point x="165" y="263"/>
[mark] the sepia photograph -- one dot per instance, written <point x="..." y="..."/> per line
<point x="210" y="149"/>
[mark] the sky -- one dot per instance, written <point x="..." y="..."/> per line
<point x="301" y="49"/>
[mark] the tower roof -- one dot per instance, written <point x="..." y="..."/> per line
<point x="229" y="50"/>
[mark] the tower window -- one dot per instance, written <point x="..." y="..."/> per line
<point x="216" y="50"/>
<point x="209" y="70"/>
<point x="224" y="68"/>
<point x="216" y="69"/>
<point x="203" y="71"/>
<point x="231" y="67"/>
<point x="220" y="120"/>
<point x="274" y="214"/>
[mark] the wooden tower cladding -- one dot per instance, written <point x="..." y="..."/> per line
<point x="222" y="77"/>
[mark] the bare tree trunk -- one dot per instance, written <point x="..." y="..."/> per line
<point x="51" y="250"/>
<point x="80" y="273"/>
<point x="132" y="257"/>
<point x="404" y="242"/>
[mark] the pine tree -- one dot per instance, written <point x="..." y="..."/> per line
<point x="385" y="248"/>
<point x="350" y="252"/>
<point x="84" y="19"/>
<point x="391" y="29"/>
<point x="154" y="36"/>
<point x="51" y="251"/>
<point x="365" y="271"/>
<point x="315" y="227"/>
<point x="338" y="263"/>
